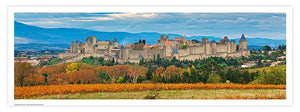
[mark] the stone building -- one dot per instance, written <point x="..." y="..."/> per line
<point x="180" y="48"/>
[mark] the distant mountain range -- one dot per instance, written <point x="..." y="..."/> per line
<point x="27" y="35"/>
<point x="41" y="47"/>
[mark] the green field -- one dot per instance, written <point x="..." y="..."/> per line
<point x="52" y="61"/>
<point x="171" y="94"/>
<point x="267" y="69"/>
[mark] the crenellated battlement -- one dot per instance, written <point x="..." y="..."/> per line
<point x="180" y="48"/>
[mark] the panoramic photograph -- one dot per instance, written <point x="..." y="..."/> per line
<point x="150" y="56"/>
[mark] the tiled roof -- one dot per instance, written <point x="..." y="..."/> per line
<point x="191" y="44"/>
<point x="167" y="42"/>
<point x="127" y="45"/>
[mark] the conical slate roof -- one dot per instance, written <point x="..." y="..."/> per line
<point x="213" y="41"/>
<point x="243" y="37"/>
<point x="122" y="47"/>
<point x="227" y="40"/>
<point x="175" y="51"/>
<point x="116" y="55"/>
<point x="140" y="56"/>
<point x="110" y="43"/>
<point x="232" y="40"/>
<point x="89" y="38"/>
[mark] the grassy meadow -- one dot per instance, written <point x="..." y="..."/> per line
<point x="177" y="94"/>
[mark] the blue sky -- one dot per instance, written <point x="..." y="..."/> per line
<point x="263" y="25"/>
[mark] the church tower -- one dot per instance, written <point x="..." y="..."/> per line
<point x="243" y="43"/>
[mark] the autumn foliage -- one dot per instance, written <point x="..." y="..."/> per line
<point x="34" y="91"/>
<point x="26" y="75"/>
<point x="73" y="73"/>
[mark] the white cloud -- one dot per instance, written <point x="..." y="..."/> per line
<point x="94" y="19"/>
<point x="82" y="20"/>
<point x="28" y="23"/>
<point x="104" y="18"/>
<point x="132" y="15"/>
<point x="42" y="22"/>
<point x="209" y="24"/>
<point x="241" y="19"/>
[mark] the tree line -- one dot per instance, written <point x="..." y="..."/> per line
<point x="83" y="73"/>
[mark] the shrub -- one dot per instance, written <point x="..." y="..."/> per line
<point x="275" y="76"/>
<point x="156" y="79"/>
<point x="213" y="78"/>
<point x="103" y="77"/>
<point x="184" y="46"/>
<point x="120" y="80"/>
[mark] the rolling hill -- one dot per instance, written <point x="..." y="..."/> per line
<point x="27" y="34"/>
